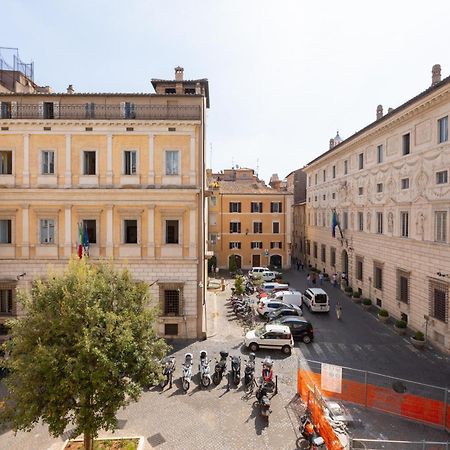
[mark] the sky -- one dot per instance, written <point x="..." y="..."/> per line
<point x="284" y="75"/>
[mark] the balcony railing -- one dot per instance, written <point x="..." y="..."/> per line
<point x="91" y="111"/>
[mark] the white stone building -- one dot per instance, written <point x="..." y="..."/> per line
<point x="389" y="185"/>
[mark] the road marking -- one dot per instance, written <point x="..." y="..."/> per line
<point x="370" y="347"/>
<point x="329" y="347"/>
<point x="343" y="347"/>
<point x="318" y="350"/>
<point x="358" y="348"/>
<point x="305" y="350"/>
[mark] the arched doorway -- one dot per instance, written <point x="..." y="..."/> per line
<point x="276" y="261"/>
<point x="234" y="262"/>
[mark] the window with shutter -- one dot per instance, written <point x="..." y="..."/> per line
<point x="441" y="226"/>
<point x="438" y="305"/>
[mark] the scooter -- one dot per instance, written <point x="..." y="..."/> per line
<point x="249" y="373"/>
<point x="310" y="434"/>
<point x="205" y="376"/>
<point x="267" y="373"/>
<point x="168" y="364"/>
<point x="220" y="368"/>
<point x="263" y="401"/>
<point x="236" y="369"/>
<point x="187" y="371"/>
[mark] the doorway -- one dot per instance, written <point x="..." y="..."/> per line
<point x="256" y="260"/>
<point x="275" y="261"/>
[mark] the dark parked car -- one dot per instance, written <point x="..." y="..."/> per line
<point x="301" y="329"/>
<point x="288" y="310"/>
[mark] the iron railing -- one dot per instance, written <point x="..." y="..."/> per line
<point x="93" y="111"/>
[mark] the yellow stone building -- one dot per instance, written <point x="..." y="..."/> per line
<point x="249" y="219"/>
<point x="126" y="169"/>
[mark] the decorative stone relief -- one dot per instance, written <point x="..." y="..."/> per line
<point x="420" y="225"/>
<point x="392" y="145"/>
<point x="369" y="220"/>
<point x="390" y="222"/>
<point x="423" y="132"/>
<point x="421" y="181"/>
<point x="351" y="220"/>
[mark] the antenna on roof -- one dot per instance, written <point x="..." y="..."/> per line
<point x="232" y="163"/>
<point x="257" y="166"/>
<point x="210" y="155"/>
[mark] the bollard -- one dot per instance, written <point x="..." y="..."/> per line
<point x="222" y="284"/>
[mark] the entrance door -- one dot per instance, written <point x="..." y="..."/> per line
<point x="275" y="261"/>
<point x="256" y="260"/>
<point x="238" y="261"/>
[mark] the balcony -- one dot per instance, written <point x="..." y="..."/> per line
<point x="91" y="111"/>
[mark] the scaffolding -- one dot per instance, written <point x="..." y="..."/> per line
<point x="11" y="65"/>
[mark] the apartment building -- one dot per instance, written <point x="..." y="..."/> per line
<point x="389" y="187"/>
<point x="249" y="219"/>
<point x="114" y="176"/>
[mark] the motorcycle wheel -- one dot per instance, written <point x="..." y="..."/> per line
<point x="216" y="378"/>
<point x="248" y="387"/>
<point x="302" y="443"/>
<point x="206" y="381"/>
<point x="186" y="385"/>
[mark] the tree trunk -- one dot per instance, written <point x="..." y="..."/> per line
<point x="88" y="441"/>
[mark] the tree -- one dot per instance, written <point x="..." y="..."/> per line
<point x="86" y="347"/>
<point x="239" y="287"/>
<point x="233" y="264"/>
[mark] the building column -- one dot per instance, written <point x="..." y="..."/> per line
<point x="68" y="174"/>
<point x="151" y="158"/>
<point x="193" y="161"/>
<point x="26" y="160"/>
<point x="67" y="231"/>
<point x="151" y="232"/>
<point x="192" y="233"/>
<point x="109" y="231"/>
<point x="109" y="174"/>
<point x="25" y="232"/>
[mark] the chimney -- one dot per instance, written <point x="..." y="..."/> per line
<point x="390" y="110"/>
<point x="70" y="89"/>
<point x="331" y="143"/>
<point x="179" y="73"/>
<point x="435" y="74"/>
<point x="379" y="112"/>
<point x="198" y="89"/>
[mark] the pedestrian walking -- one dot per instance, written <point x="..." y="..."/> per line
<point x="321" y="278"/>
<point x="308" y="280"/>
<point x="338" y="310"/>
<point x="302" y="265"/>
<point x="314" y="280"/>
<point x="298" y="265"/>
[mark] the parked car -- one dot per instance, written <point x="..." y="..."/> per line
<point x="255" y="271"/>
<point x="269" y="275"/>
<point x="287" y="310"/>
<point x="268" y="305"/>
<point x="270" y="336"/>
<point x="301" y="329"/>
<point x="271" y="287"/>
<point x="316" y="299"/>
<point x="293" y="297"/>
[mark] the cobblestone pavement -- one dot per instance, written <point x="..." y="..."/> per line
<point x="213" y="418"/>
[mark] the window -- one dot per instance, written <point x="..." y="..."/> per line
<point x="360" y="190"/>
<point x="334" y="171"/>
<point x="6" y="301"/>
<point x="89" y="163"/>
<point x="256" y="245"/>
<point x="5" y="162"/>
<point x="441" y="226"/>
<point x="235" y="227"/>
<point x="172" y="232"/>
<point x="405" y="183"/>
<point x="359" y="268"/>
<point x="171" y="329"/>
<point x="130" y="232"/>
<point x="315" y="198"/>
<point x="213" y="238"/>
<point x="443" y="130"/>
<point x="379" y="222"/>
<point x="257" y="227"/>
<point x="90" y="226"/>
<point x="49" y="110"/>
<point x="276" y="207"/>
<point x="345" y="167"/>
<point x="5" y="231"/>
<point x="235" y="207"/>
<point x="275" y="245"/>
<point x="90" y="110"/>
<point x="324" y="175"/>
<point x="171" y="302"/>
<point x="333" y="195"/>
<point x="48" y="162"/>
<point x="323" y="253"/>
<point x="309" y="180"/>
<point x="442" y="177"/>
<point x="324" y="196"/>
<point x="439" y="300"/>
<point x="332" y="256"/>
<point x="235" y="245"/>
<point x="308" y="247"/>
<point x="256" y="207"/>
<point x="129" y="111"/>
<point x="172" y="162"/>
<point x="404" y="223"/>
<point x="213" y="200"/>
<point x="129" y="162"/>
<point x="406" y="144"/>
<point x="315" y="179"/>
<point x="47" y="231"/>
<point x="345" y="221"/>
<point x="378" y="276"/>
<point x="379" y="187"/>
<point x="315" y="249"/>
<point x="361" y="161"/>
<point x="189" y="90"/>
<point x="360" y="221"/>
<point x="275" y="227"/>
<point x="5" y="111"/>
<point x="379" y="154"/>
<point x="402" y="286"/>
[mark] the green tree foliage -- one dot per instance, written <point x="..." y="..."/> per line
<point x="85" y="348"/>
<point x="232" y="264"/>
<point x="239" y="287"/>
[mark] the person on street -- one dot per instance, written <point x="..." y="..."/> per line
<point x="321" y="278"/>
<point x="308" y="280"/>
<point x="334" y="280"/>
<point x="338" y="310"/>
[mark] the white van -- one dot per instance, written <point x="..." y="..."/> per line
<point x="271" y="287"/>
<point x="316" y="300"/>
<point x="290" y="297"/>
<point x="256" y="271"/>
<point x="268" y="275"/>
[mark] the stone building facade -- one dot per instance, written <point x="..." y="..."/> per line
<point x="125" y="170"/>
<point x="389" y="186"/>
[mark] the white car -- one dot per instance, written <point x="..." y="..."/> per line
<point x="270" y="336"/>
<point x="293" y="297"/>
<point x="267" y="305"/>
<point x="254" y="272"/>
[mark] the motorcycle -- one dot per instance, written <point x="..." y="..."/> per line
<point x="267" y="372"/>
<point x="249" y="373"/>
<point x="236" y="369"/>
<point x="187" y="371"/>
<point x="168" y="364"/>
<point x="205" y="376"/>
<point x="309" y="434"/>
<point x="263" y="400"/>
<point x="220" y="368"/>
